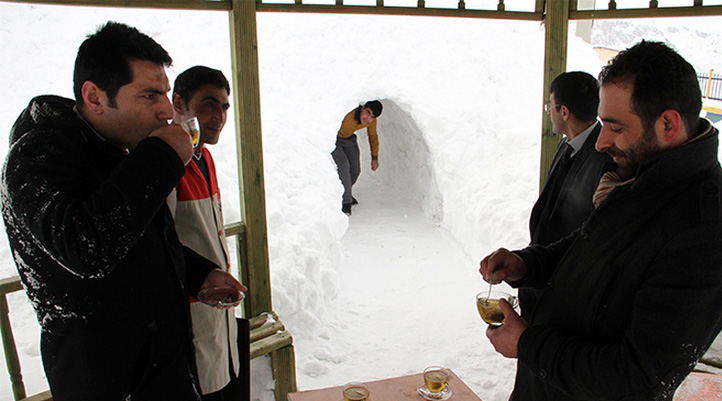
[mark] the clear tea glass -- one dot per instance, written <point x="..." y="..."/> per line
<point x="436" y="378"/>
<point x="355" y="391"/>
<point x="487" y="304"/>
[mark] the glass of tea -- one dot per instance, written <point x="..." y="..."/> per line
<point x="192" y="128"/>
<point x="487" y="302"/>
<point x="355" y="391"/>
<point x="436" y="384"/>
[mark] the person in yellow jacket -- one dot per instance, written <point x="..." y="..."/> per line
<point x="346" y="154"/>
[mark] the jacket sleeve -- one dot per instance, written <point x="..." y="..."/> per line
<point x="197" y="268"/>
<point x="373" y="139"/>
<point x="85" y="220"/>
<point x="541" y="261"/>
<point x="674" y="318"/>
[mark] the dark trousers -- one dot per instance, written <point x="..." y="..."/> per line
<point x="346" y="156"/>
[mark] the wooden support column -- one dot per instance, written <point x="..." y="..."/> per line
<point x="556" y="22"/>
<point x="247" y="108"/>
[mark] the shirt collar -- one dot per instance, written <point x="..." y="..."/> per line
<point x="579" y="140"/>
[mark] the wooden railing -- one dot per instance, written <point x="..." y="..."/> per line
<point x="268" y="335"/>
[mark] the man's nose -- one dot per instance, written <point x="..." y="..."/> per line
<point x="604" y="140"/>
<point x="165" y="109"/>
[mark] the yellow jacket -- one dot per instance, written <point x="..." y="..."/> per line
<point x="351" y="124"/>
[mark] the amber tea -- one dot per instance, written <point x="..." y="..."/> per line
<point x="489" y="308"/>
<point x="490" y="311"/>
<point x="436" y="379"/>
<point x="355" y="392"/>
<point x="193" y="129"/>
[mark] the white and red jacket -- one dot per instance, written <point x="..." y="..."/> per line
<point x="196" y="207"/>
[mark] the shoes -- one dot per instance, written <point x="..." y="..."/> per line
<point x="346" y="208"/>
<point x="354" y="201"/>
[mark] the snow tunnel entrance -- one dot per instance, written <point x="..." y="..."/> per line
<point x="405" y="160"/>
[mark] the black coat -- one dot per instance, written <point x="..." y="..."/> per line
<point x="96" y="250"/>
<point x="566" y="201"/>
<point x="633" y="297"/>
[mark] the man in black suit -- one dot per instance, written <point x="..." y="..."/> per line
<point x="566" y="200"/>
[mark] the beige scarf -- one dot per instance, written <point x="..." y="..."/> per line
<point x="611" y="179"/>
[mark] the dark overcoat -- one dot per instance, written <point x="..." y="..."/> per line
<point x="97" y="253"/>
<point x="632" y="299"/>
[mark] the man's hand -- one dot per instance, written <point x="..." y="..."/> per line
<point x="220" y="278"/>
<point x="505" y="338"/>
<point x="505" y="265"/>
<point x="178" y="139"/>
<point x="374" y="165"/>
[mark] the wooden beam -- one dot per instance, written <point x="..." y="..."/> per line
<point x="698" y="11"/>
<point x="401" y="11"/>
<point x="247" y="107"/>
<point x="220" y="5"/>
<point x="555" y="63"/>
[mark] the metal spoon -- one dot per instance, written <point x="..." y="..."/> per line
<point x="491" y="278"/>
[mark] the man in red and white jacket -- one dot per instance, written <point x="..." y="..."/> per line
<point x="203" y="92"/>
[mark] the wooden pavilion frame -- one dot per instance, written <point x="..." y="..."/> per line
<point x="251" y="232"/>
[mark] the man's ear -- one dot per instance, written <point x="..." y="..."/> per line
<point x="178" y="104"/>
<point x="94" y="99"/>
<point x="564" y="110"/>
<point x="670" y="128"/>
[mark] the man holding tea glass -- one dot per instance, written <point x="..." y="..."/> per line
<point x="631" y="299"/>
<point x="84" y="201"/>
<point x="201" y="92"/>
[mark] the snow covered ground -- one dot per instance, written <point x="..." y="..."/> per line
<point x="390" y="289"/>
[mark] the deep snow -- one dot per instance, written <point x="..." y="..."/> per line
<point x="390" y="289"/>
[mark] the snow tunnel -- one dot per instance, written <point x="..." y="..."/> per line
<point x="405" y="159"/>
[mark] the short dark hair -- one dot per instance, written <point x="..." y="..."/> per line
<point x="188" y="82"/>
<point x="661" y="80"/>
<point x="579" y="92"/>
<point x="375" y="106"/>
<point x="104" y="58"/>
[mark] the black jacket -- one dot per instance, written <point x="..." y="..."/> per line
<point x="96" y="250"/>
<point x="566" y="201"/>
<point x="632" y="298"/>
<point x="573" y="202"/>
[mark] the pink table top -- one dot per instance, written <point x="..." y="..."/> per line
<point x="403" y="388"/>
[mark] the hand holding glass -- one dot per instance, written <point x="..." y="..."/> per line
<point x="221" y="297"/>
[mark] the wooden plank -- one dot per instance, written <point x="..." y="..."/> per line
<point x="266" y="330"/>
<point x="247" y="104"/>
<point x="401" y="11"/>
<point x="235" y="229"/>
<point x="283" y="363"/>
<point x="44" y="396"/>
<point x="214" y="5"/>
<point x="10" y="284"/>
<point x="271" y="343"/>
<point x="259" y="320"/>
<point x="662" y="12"/>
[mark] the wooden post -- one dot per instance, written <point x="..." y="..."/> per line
<point x="555" y="63"/>
<point x="11" y="355"/>
<point x="247" y="107"/>
<point x="283" y="364"/>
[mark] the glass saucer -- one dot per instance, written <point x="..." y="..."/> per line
<point x="221" y="297"/>
<point x="442" y="395"/>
